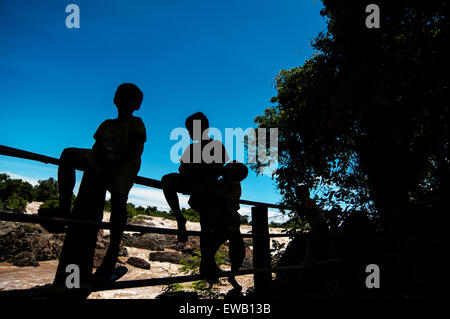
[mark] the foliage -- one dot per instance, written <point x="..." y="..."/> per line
<point x="174" y="287"/>
<point x="17" y="187"/>
<point x="15" y="193"/>
<point x="192" y="266"/>
<point x="107" y="206"/>
<point x="51" y="203"/>
<point x="191" y="214"/>
<point x="45" y="190"/>
<point x="13" y="203"/>
<point x="28" y="228"/>
<point x="244" y="220"/>
<point x="153" y="211"/>
<point x="277" y="252"/>
<point x="133" y="212"/>
<point x="200" y="285"/>
<point x="364" y="121"/>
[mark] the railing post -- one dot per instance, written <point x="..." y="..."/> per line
<point x="261" y="249"/>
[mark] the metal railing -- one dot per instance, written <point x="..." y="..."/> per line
<point x="260" y="233"/>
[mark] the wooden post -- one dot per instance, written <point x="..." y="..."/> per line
<point x="261" y="249"/>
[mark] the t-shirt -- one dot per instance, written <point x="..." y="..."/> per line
<point x="205" y="160"/>
<point x="120" y="142"/>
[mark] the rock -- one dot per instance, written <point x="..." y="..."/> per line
<point x="101" y="252"/>
<point x="191" y="245"/>
<point x="168" y="256"/>
<point x="248" y="242"/>
<point x="101" y="247"/>
<point x="248" y="260"/>
<point x="16" y="238"/>
<point x="159" y="242"/>
<point x="144" y="241"/>
<point x="123" y="251"/>
<point x="98" y="257"/>
<point x="141" y="221"/>
<point x="138" y="262"/>
<point x="24" y="259"/>
<point x="46" y="247"/>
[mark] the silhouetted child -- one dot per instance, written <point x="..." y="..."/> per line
<point x="201" y="165"/>
<point x="317" y="238"/>
<point x="112" y="164"/>
<point x="220" y="221"/>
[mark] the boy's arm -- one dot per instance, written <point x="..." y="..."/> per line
<point x="98" y="133"/>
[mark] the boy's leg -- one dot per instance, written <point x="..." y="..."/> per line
<point x="80" y="240"/>
<point x="237" y="254"/>
<point x="171" y="184"/>
<point x="70" y="159"/>
<point x="209" y="244"/>
<point x="236" y="251"/>
<point x="118" y="221"/>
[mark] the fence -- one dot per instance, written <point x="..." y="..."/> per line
<point x="262" y="270"/>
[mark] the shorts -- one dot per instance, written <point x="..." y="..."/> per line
<point x="117" y="179"/>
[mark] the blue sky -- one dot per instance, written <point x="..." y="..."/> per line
<point x="218" y="57"/>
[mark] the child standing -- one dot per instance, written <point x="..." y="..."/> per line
<point x="220" y="221"/>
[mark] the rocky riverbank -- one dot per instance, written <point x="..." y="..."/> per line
<point x="28" y="256"/>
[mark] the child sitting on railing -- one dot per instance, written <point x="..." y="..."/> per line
<point x="112" y="164"/>
<point x="200" y="166"/>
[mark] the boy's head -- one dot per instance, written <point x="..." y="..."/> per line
<point x="197" y="119"/>
<point x="302" y="192"/>
<point x="235" y="171"/>
<point x="129" y="97"/>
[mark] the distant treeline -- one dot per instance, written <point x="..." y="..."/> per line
<point x="16" y="193"/>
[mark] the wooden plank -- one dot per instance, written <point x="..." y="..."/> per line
<point x="35" y="219"/>
<point x="261" y="249"/>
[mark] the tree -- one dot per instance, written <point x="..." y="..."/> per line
<point x="46" y="189"/>
<point x="13" y="203"/>
<point x="10" y="187"/>
<point x="365" y="119"/>
<point x="368" y="112"/>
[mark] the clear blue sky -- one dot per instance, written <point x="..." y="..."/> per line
<point x="218" y="57"/>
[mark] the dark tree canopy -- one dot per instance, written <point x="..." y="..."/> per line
<point x="368" y="112"/>
<point x="366" y="119"/>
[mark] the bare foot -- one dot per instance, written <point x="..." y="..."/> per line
<point x="182" y="234"/>
<point x="211" y="272"/>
